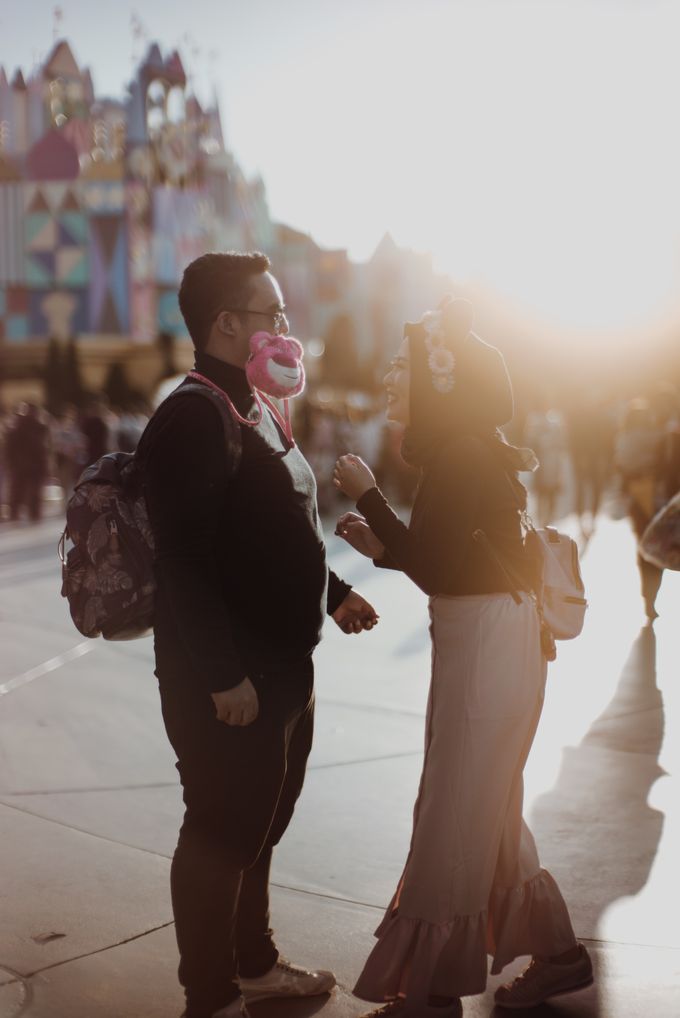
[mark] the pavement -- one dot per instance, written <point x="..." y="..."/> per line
<point x="90" y="805"/>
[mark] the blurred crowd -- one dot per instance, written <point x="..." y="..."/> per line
<point x="42" y="452"/>
<point x="39" y="450"/>
<point x="626" y="449"/>
<point x="591" y="448"/>
<point x="326" y="429"/>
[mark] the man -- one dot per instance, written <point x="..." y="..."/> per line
<point x="242" y="588"/>
<point x="26" y="448"/>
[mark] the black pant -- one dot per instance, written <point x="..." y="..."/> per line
<point x="650" y="575"/>
<point x="25" y="490"/>
<point x="240" y="788"/>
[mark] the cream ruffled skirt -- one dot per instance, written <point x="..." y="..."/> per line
<point x="472" y="884"/>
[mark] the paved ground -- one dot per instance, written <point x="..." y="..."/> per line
<point x="89" y="803"/>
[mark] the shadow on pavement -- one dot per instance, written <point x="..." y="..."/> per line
<point x="599" y="810"/>
<point x="543" y="1011"/>
<point x="289" y="1008"/>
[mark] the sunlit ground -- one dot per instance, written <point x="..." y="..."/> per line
<point x="582" y="682"/>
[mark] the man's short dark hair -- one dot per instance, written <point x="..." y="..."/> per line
<point x="217" y="282"/>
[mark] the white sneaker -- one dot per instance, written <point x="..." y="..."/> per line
<point x="286" y="980"/>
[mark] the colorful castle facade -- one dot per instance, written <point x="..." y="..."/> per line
<point x="103" y="202"/>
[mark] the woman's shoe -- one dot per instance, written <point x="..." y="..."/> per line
<point x="392" y="1009"/>
<point x="543" y="979"/>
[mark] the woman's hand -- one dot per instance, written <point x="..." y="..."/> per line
<point x="355" y="530"/>
<point x="353" y="477"/>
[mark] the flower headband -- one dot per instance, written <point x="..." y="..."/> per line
<point x="440" y="359"/>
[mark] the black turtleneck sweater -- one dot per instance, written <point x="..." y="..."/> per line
<point x="465" y="486"/>
<point x="242" y="580"/>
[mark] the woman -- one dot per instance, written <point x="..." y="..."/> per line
<point x="472" y="883"/>
<point x="647" y="455"/>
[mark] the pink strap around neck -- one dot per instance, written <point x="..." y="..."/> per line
<point x="283" y="421"/>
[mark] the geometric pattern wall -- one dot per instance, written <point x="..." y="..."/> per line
<point x="14" y="322"/>
<point x="105" y="197"/>
<point x="144" y="324"/>
<point x="140" y="244"/>
<point x="53" y="312"/>
<point x="55" y="237"/>
<point x="144" y="296"/>
<point x="169" y="315"/>
<point x="109" y="304"/>
<point x="12" y="268"/>
<point x="182" y="230"/>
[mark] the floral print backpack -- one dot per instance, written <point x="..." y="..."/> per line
<point x="107" y="576"/>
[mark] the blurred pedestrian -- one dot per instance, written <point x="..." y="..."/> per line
<point x="590" y="429"/>
<point x="95" y="427"/>
<point x="545" y="433"/>
<point x="647" y="456"/>
<point x="68" y="449"/>
<point x="321" y="451"/>
<point x="26" y="449"/>
<point x="639" y="455"/>
<point x="665" y="404"/>
<point x="4" y="425"/>
<point x="472" y="882"/>
<point x="130" y="427"/>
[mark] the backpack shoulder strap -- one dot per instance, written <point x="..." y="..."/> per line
<point x="232" y="429"/>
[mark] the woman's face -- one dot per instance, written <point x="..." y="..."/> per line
<point x="397" y="383"/>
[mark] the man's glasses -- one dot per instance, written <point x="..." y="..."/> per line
<point x="279" y="318"/>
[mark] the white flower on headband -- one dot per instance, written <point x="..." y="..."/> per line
<point x="441" y="361"/>
<point x="443" y="383"/>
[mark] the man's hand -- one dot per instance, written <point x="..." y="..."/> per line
<point x="355" y="614"/>
<point x="237" y="706"/>
<point x="355" y="530"/>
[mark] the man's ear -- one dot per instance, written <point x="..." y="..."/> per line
<point x="224" y="323"/>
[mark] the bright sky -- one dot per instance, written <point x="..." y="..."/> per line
<point x="533" y="147"/>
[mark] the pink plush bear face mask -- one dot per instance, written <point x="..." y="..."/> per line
<point x="275" y="365"/>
